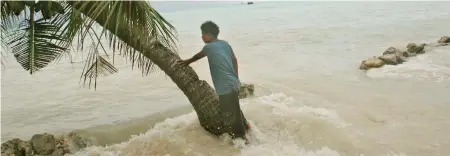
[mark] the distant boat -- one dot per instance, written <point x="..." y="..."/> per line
<point x="249" y="3"/>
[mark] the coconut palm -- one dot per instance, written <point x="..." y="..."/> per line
<point x="38" y="33"/>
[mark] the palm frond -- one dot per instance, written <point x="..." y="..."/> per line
<point x="69" y="24"/>
<point x="9" y="8"/>
<point x="130" y="27"/>
<point x="127" y="23"/>
<point x="35" y="39"/>
<point x="11" y="15"/>
<point x="33" y="43"/>
<point x="4" y="45"/>
<point x="95" y="66"/>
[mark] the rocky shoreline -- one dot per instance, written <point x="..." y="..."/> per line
<point x="46" y="144"/>
<point x="395" y="56"/>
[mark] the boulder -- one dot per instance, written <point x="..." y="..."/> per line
<point x="392" y="59"/>
<point x="76" y="142"/>
<point x="43" y="144"/>
<point x="416" y="49"/>
<point x="16" y="147"/>
<point x="389" y="59"/>
<point x="394" y="56"/>
<point x="246" y="90"/>
<point x="444" y="39"/>
<point x="70" y="143"/>
<point x="371" y="62"/>
<point x="398" y="52"/>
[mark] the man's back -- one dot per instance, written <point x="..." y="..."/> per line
<point x="224" y="72"/>
<point x="220" y="58"/>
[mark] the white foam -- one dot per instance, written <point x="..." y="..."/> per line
<point x="278" y="128"/>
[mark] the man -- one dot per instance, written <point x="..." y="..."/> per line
<point x="224" y="72"/>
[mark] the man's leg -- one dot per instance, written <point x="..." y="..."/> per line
<point x="245" y="122"/>
<point x="232" y="114"/>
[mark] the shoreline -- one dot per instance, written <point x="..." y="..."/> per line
<point x="70" y="142"/>
<point x="396" y="56"/>
<point x="65" y="142"/>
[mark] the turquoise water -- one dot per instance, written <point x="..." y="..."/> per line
<point x="303" y="57"/>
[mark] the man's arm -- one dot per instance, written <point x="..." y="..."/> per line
<point x="197" y="56"/>
<point x="235" y="63"/>
<point x="194" y="58"/>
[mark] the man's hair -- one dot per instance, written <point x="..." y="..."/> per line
<point x="211" y="28"/>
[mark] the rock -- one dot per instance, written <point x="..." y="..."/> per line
<point x="246" y="90"/>
<point x="43" y="144"/>
<point x="16" y="147"/>
<point x="416" y="49"/>
<point x="444" y="39"/>
<point x="391" y="50"/>
<point x="70" y="143"/>
<point x="61" y="149"/>
<point x="371" y="62"/>
<point x="392" y="59"/>
<point x="389" y="59"/>
<point x="442" y="44"/>
<point x="397" y="52"/>
<point x="76" y="142"/>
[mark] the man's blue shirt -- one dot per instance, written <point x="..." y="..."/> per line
<point x="220" y="59"/>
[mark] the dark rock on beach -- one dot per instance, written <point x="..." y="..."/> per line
<point x="371" y="62"/>
<point x="444" y="39"/>
<point x="395" y="56"/>
<point x="416" y="49"/>
<point x="16" y="147"/>
<point x="45" y="144"/>
<point x="398" y="52"/>
<point x="246" y="90"/>
<point x="392" y="59"/>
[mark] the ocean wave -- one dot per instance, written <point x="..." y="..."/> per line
<point x="280" y="126"/>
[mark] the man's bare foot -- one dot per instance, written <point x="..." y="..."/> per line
<point x="247" y="125"/>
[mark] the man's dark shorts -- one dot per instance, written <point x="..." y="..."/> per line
<point x="234" y="119"/>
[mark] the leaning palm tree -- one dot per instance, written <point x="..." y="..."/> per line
<point x="38" y="33"/>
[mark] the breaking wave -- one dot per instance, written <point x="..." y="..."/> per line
<point x="280" y="126"/>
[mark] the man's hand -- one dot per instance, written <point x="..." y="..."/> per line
<point x="184" y="62"/>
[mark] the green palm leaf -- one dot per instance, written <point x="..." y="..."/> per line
<point x="37" y="42"/>
<point x="11" y="14"/>
<point x="33" y="43"/>
<point x="96" y="65"/>
<point x="123" y="22"/>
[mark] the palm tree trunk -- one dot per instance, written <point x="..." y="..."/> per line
<point x="200" y="94"/>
